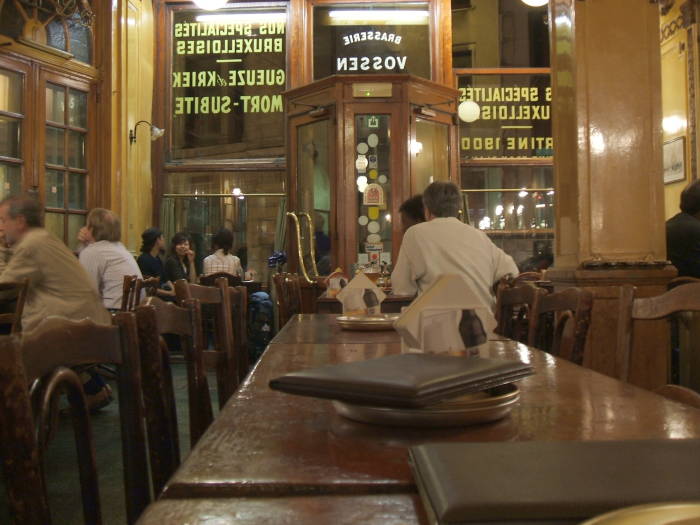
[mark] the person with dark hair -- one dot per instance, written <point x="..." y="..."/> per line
<point x="152" y="244"/>
<point x="180" y="261"/>
<point x="445" y="245"/>
<point x="683" y="233"/>
<point x="411" y="211"/>
<point x="104" y="257"/>
<point x="222" y="260"/>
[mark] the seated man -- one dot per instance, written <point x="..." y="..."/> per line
<point x="106" y="259"/>
<point x="683" y="233"/>
<point x="445" y="245"/>
<point x="58" y="285"/>
<point x="411" y="211"/>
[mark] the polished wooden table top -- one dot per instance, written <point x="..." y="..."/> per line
<point x="385" y="509"/>
<point x="267" y="443"/>
<point x="323" y="328"/>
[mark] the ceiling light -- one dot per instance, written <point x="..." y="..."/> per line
<point x="210" y="5"/>
<point x="380" y="15"/>
<point x="535" y="3"/>
<point x="232" y="18"/>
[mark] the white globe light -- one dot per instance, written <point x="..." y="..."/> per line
<point x="535" y="3"/>
<point x="469" y="111"/>
<point x="210" y="5"/>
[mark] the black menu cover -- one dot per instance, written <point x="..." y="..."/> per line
<point x="541" y="482"/>
<point x="404" y="380"/>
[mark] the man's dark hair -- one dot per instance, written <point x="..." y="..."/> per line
<point x="690" y="198"/>
<point x="223" y="240"/>
<point x="27" y="207"/>
<point x="413" y="207"/>
<point x="149" y="237"/>
<point x="442" y="199"/>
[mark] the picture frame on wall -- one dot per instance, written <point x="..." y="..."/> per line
<point x="674" y="160"/>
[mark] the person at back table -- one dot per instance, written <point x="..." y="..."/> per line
<point x="58" y="284"/>
<point x="683" y="233"/>
<point x="445" y="245"/>
<point x="412" y="212"/>
<point x="180" y="261"/>
<point x="104" y="257"/>
<point x="222" y="260"/>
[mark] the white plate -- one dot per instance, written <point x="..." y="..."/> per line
<point x="652" y="514"/>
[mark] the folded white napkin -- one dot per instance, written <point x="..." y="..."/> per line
<point x="446" y="317"/>
<point x="361" y="296"/>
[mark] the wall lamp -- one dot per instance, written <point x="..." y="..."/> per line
<point x="156" y="132"/>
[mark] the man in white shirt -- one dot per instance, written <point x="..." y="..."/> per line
<point x="445" y="245"/>
<point x="106" y="259"/>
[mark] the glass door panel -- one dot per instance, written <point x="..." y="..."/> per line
<point x="430" y="154"/>
<point x="314" y="194"/>
<point x="373" y="179"/>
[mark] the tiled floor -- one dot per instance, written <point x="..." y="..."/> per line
<point x="61" y="467"/>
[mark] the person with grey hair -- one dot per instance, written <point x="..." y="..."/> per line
<point x="444" y="245"/>
<point x="104" y="257"/>
<point x="683" y="233"/>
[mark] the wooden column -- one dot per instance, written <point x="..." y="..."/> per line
<point x="607" y="137"/>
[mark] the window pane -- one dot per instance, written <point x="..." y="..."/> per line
<point x="80" y="39"/>
<point x="506" y="116"/>
<point x="10" y="91"/>
<point x="227" y="90"/>
<point x="75" y="222"/>
<point x="55" y="146"/>
<point x="55" y="103"/>
<point x="76" y="149"/>
<point x="77" y="108"/>
<point x="430" y="155"/>
<point x="10" y="180"/>
<point x="10" y="137"/>
<point x="373" y="181"/>
<point x="247" y="182"/>
<point x="507" y="33"/>
<point x="54" y="189"/>
<point x="54" y="222"/>
<point x="56" y="34"/>
<point x="372" y="38"/>
<point x="76" y="191"/>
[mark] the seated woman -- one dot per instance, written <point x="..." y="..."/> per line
<point x="222" y="261"/>
<point x="150" y="262"/>
<point x="180" y="261"/>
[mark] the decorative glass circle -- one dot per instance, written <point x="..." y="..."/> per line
<point x="363" y="220"/>
<point x="382" y="179"/>
<point x="373" y="140"/>
<point x="362" y="148"/>
<point x="373" y="227"/>
<point x="374" y="238"/>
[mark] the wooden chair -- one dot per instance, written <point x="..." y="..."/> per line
<point x="25" y="363"/>
<point x="685" y="298"/>
<point x="239" y="313"/>
<point x="154" y="318"/>
<point x="223" y="358"/>
<point x="209" y="280"/>
<point x="13" y="296"/>
<point x="559" y="323"/>
<point x="681" y="394"/>
<point x="133" y="288"/>
<point x="288" y="292"/>
<point x="514" y="305"/>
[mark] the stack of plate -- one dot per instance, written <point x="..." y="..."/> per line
<point x="367" y="322"/>
<point x="652" y="514"/>
<point x="479" y="407"/>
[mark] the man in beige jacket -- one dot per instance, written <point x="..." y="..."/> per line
<point x="58" y="284"/>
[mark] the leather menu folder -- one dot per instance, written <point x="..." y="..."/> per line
<point x="544" y="482"/>
<point x="404" y="380"/>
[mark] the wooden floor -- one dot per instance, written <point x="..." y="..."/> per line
<point x="62" y="478"/>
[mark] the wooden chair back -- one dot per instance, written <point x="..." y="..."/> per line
<point x="25" y="363"/>
<point x="209" y="280"/>
<point x="239" y="313"/>
<point x="154" y="318"/>
<point x="559" y="323"/>
<point x="133" y="289"/>
<point x="514" y="305"/>
<point x="684" y="298"/>
<point x="288" y="292"/>
<point x="216" y="306"/>
<point x="12" y="296"/>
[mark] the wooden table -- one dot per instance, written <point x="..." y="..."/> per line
<point x="389" y="509"/>
<point x="274" y="445"/>
<point x="392" y="304"/>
